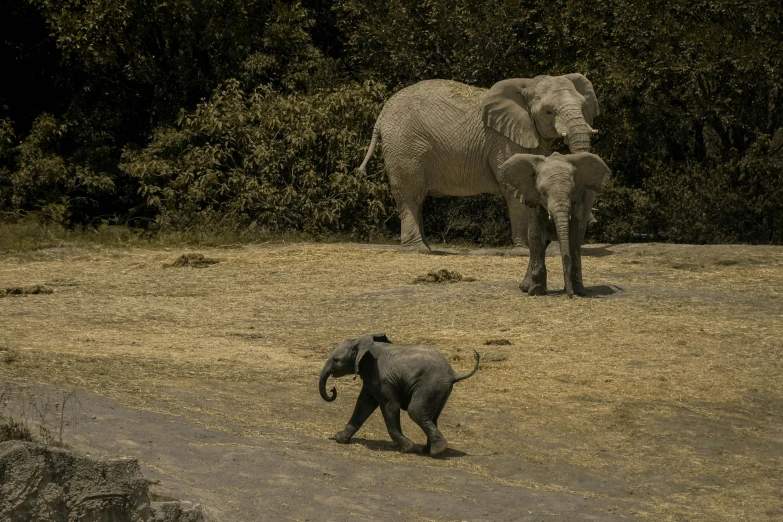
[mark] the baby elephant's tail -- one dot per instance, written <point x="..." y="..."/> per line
<point x="458" y="378"/>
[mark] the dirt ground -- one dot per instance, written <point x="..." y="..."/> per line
<point x="658" y="397"/>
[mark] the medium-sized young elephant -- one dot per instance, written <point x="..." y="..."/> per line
<point x="410" y="377"/>
<point x="559" y="192"/>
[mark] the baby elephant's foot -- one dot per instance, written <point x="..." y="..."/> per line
<point x="438" y="447"/>
<point x="579" y="289"/>
<point x="525" y="284"/>
<point x="433" y="448"/>
<point x="343" y="437"/>
<point x="537" y="289"/>
<point x="405" y="445"/>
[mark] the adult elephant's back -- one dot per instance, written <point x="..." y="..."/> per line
<point x="434" y="142"/>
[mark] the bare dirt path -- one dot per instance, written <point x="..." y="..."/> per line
<point x="243" y="478"/>
<point x="659" y="397"/>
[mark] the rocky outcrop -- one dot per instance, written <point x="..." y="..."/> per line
<point x="55" y="485"/>
<point x="177" y="512"/>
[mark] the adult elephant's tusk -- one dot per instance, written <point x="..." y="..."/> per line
<point x="563" y="134"/>
<point x="595" y="131"/>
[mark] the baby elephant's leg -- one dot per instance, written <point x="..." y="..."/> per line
<point x="391" y="414"/>
<point x="425" y="410"/>
<point x="365" y="405"/>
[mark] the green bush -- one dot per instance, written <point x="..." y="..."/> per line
<point x="738" y="200"/>
<point x="623" y="215"/>
<point x="37" y="179"/>
<point x="481" y="220"/>
<point x="13" y="430"/>
<point x="282" y="162"/>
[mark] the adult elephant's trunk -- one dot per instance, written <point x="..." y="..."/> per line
<point x="325" y="374"/>
<point x="578" y="132"/>
<point x="559" y="210"/>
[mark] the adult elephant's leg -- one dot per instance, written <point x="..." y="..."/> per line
<point x="409" y="190"/>
<point x="412" y="226"/>
<point x="365" y="405"/>
<point x="391" y="415"/>
<point x="517" y="213"/>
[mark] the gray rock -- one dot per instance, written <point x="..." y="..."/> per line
<point x="44" y="483"/>
<point x="180" y="511"/>
<point x="55" y="485"/>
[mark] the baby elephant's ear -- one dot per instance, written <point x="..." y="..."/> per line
<point x="517" y="176"/>
<point x="363" y="345"/>
<point x="591" y="171"/>
<point x="381" y="338"/>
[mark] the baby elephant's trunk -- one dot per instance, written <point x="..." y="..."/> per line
<point x="476" y="356"/>
<point x="325" y="374"/>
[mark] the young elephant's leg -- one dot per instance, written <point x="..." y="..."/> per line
<point x="538" y="244"/>
<point x="425" y="410"/>
<point x="365" y="405"/>
<point x="391" y="414"/>
<point x="528" y="280"/>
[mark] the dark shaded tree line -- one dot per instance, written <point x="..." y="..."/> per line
<point x="174" y="114"/>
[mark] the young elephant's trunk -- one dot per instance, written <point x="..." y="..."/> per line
<point x="325" y="374"/>
<point x="560" y="214"/>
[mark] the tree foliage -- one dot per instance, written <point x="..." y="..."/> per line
<point x="279" y="161"/>
<point x="188" y="112"/>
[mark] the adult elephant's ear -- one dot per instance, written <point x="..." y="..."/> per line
<point x="591" y="171"/>
<point x="363" y="345"/>
<point x="504" y="108"/>
<point x="517" y="176"/>
<point x="585" y="88"/>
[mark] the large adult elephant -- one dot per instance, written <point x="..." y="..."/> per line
<point x="445" y="138"/>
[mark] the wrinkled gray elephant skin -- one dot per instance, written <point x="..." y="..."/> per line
<point x="444" y="138"/>
<point x="558" y="191"/>
<point x="409" y="377"/>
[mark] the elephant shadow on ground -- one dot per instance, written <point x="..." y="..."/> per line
<point x="435" y="252"/>
<point x="594" y="292"/>
<point x="596" y="251"/>
<point x="382" y="445"/>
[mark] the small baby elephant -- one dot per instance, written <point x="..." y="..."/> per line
<point x="409" y="377"/>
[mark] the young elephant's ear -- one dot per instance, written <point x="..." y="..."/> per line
<point x="505" y="109"/>
<point x="591" y="171"/>
<point x="585" y="88"/>
<point x="381" y="338"/>
<point x="363" y="345"/>
<point x="518" y="177"/>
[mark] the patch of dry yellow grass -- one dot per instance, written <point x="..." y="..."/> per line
<point x="667" y="393"/>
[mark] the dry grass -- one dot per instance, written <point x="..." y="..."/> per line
<point x="667" y="393"/>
